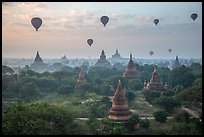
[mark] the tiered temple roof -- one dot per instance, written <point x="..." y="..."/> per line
<point x="38" y="63"/>
<point x="80" y="79"/>
<point x="119" y="110"/>
<point x="176" y="63"/>
<point x="130" y="72"/>
<point x="116" y="55"/>
<point x="103" y="62"/>
<point x="155" y="83"/>
<point x="38" y="58"/>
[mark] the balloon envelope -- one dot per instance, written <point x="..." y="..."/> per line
<point x="36" y="22"/>
<point x="156" y="21"/>
<point x="194" y="16"/>
<point x="151" y="53"/>
<point x="170" y="50"/>
<point x="104" y="20"/>
<point x="90" y="42"/>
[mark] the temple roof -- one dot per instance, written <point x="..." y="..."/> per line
<point x="38" y="58"/>
<point x="176" y="63"/>
<point x="103" y="62"/>
<point x="81" y="76"/>
<point x="130" y="72"/>
<point x="119" y="110"/>
<point x="116" y="55"/>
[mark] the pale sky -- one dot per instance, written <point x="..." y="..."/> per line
<point x="66" y="26"/>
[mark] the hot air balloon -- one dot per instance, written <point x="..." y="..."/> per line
<point x="151" y="53"/>
<point x="36" y="22"/>
<point x="90" y="42"/>
<point x="170" y="50"/>
<point x="104" y="20"/>
<point x="194" y="16"/>
<point x="156" y="21"/>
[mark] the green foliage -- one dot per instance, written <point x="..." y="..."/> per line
<point x="192" y="94"/>
<point x="38" y="119"/>
<point x="130" y="95"/>
<point x="6" y="69"/>
<point x="167" y="103"/>
<point x="160" y="116"/>
<point x="135" y="85"/>
<point x="133" y="121"/>
<point x="65" y="89"/>
<point x="196" y="68"/>
<point x="182" y="76"/>
<point x="144" y="123"/>
<point x="150" y="95"/>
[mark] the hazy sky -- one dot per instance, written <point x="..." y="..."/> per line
<point x="67" y="26"/>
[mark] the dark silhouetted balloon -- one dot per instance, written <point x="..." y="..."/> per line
<point x="170" y="50"/>
<point x="104" y="20"/>
<point x="36" y="22"/>
<point x="90" y="42"/>
<point x="194" y="16"/>
<point x="156" y="21"/>
<point x="151" y="53"/>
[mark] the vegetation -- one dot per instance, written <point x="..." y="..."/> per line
<point x="48" y="103"/>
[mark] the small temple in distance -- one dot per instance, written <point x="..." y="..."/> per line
<point x="38" y="64"/>
<point x="119" y="111"/>
<point x="155" y="83"/>
<point x="176" y="63"/>
<point x="102" y="62"/>
<point x="131" y="72"/>
<point x="80" y="79"/>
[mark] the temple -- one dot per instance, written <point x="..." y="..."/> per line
<point x="176" y="63"/>
<point x="130" y="72"/>
<point x="119" y="110"/>
<point x="38" y="64"/>
<point x="116" y="55"/>
<point x="80" y="79"/>
<point x="103" y="62"/>
<point x="155" y="83"/>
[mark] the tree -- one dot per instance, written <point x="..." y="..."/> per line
<point x="6" y="69"/>
<point x="160" y="116"/>
<point x="144" y="123"/>
<point x="130" y="95"/>
<point x="182" y="76"/>
<point x="38" y="119"/>
<point x="135" y="85"/>
<point x="133" y="121"/>
<point x="168" y="103"/>
<point x="65" y="89"/>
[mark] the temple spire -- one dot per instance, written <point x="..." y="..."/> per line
<point x="119" y="110"/>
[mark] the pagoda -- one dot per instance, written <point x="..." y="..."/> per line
<point x="38" y="64"/>
<point x="130" y="72"/>
<point x="119" y="110"/>
<point x="155" y="83"/>
<point x="116" y="55"/>
<point x="80" y="79"/>
<point x="103" y="62"/>
<point x="176" y="63"/>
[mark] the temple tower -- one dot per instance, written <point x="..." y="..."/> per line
<point x="155" y="83"/>
<point x="176" y="63"/>
<point x="119" y="110"/>
<point x="103" y="62"/>
<point x="80" y="79"/>
<point x="130" y="72"/>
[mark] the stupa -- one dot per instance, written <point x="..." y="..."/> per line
<point x="119" y="110"/>
<point x="38" y="64"/>
<point x="155" y="83"/>
<point x="130" y="72"/>
<point x="176" y="63"/>
<point x="103" y="62"/>
<point x="80" y="79"/>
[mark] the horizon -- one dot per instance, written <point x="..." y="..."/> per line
<point x="67" y="26"/>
